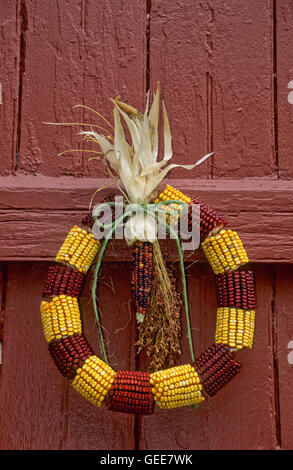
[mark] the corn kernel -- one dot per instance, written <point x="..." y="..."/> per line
<point x="175" y="388"/>
<point x="79" y="249"/>
<point x="60" y="317"/>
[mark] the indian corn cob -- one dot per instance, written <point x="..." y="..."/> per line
<point x="172" y="194"/>
<point x="63" y="280"/>
<point x="131" y="393"/>
<point x="69" y="353"/>
<point x="236" y="289"/>
<point x="60" y="317"/>
<point x="206" y="219"/>
<point x="142" y="277"/>
<point x="224" y="251"/>
<point x="79" y="249"/>
<point x="235" y="327"/>
<point x="176" y="387"/>
<point x="216" y="368"/>
<point x="88" y="219"/>
<point x="94" y="380"/>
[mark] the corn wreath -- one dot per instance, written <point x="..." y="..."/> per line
<point x="137" y="166"/>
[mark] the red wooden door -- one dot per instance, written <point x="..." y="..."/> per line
<point x="226" y="74"/>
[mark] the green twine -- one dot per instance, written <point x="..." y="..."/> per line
<point x="112" y="227"/>
<point x="94" y="285"/>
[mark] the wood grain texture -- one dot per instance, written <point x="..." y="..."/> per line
<point x="284" y="85"/>
<point x="224" y="69"/>
<point x="3" y="285"/>
<point x="178" y="59"/>
<point x="242" y="416"/>
<point x="38" y="407"/>
<point x="241" y="68"/>
<point x="36" y="213"/>
<point x="283" y="346"/>
<point x="34" y="236"/>
<point x="31" y="395"/>
<point x="215" y="63"/>
<point x="77" y="53"/>
<point x="10" y="27"/>
<point x="89" y="427"/>
<point x="65" y="193"/>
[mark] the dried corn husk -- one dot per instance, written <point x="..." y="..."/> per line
<point x="137" y="164"/>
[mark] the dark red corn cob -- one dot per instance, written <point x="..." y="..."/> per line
<point x="206" y="220"/>
<point x="216" y="367"/>
<point x="63" y="280"/>
<point x="142" y="276"/>
<point x="131" y="393"/>
<point x="236" y="289"/>
<point x="88" y="220"/>
<point x="69" y="353"/>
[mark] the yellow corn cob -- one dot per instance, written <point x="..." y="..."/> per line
<point x="60" y="317"/>
<point x="176" y="387"/>
<point x="171" y="193"/>
<point x="225" y="251"/>
<point x="235" y="327"/>
<point x="94" y="380"/>
<point x="79" y="249"/>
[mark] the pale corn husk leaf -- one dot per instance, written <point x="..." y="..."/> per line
<point x="140" y="227"/>
<point x="121" y="146"/>
<point x="156" y="180"/>
<point x="136" y="163"/>
<point x="147" y="104"/>
<point x="158" y="165"/>
<point x="131" y="126"/>
<point x="167" y="136"/>
<point x="109" y="152"/>
<point x="153" y="119"/>
<point x="128" y="109"/>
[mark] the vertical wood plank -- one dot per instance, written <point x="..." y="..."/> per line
<point x="10" y="25"/>
<point x="228" y="420"/>
<point x="215" y="63"/>
<point x="241" y="68"/>
<point x="31" y="395"/>
<point x="38" y="407"/>
<point x="85" y="53"/>
<point x="177" y="58"/>
<point x="284" y="83"/>
<point x="96" y="428"/>
<point x="2" y="308"/>
<point x="283" y="337"/>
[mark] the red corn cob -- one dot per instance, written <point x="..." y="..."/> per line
<point x="207" y="219"/>
<point x="216" y="368"/>
<point x="63" y="280"/>
<point x="236" y="289"/>
<point x="142" y="276"/>
<point x="69" y="353"/>
<point x="88" y="220"/>
<point x="131" y="393"/>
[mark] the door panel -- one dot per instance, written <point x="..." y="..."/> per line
<point x="224" y="71"/>
<point x="39" y="409"/>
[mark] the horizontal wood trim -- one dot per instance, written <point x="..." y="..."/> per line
<point x="37" y="212"/>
